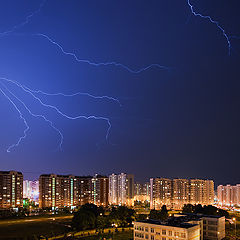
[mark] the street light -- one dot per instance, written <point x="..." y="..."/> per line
<point x="235" y="223"/>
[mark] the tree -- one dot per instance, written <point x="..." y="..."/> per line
<point x="102" y="222"/>
<point x="206" y="210"/>
<point x="122" y="216"/>
<point x="161" y="215"/>
<point x="83" y="220"/>
<point x="93" y="208"/>
<point x="188" y="208"/>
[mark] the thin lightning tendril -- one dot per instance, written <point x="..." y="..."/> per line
<point x="30" y="92"/>
<point x="27" y="19"/>
<point x="21" y="116"/>
<point x="214" y="22"/>
<point x="34" y="115"/>
<point x="33" y="93"/>
<point x="96" y="64"/>
<point x="73" y="95"/>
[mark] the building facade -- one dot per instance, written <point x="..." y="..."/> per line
<point x="174" y="193"/>
<point x="142" y="192"/>
<point x="100" y="190"/>
<point x="57" y="191"/>
<point x="228" y="195"/>
<point x="211" y="227"/>
<point x="180" y="193"/>
<point x="156" y="230"/>
<point x="11" y="189"/>
<point x="31" y="190"/>
<point x="160" y="192"/>
<point x="113" y="189"/>
<point x="121" y="189"/>
<point x="182" y="226"/>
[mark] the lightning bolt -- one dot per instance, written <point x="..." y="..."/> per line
<point x="98" y="64"/>
<point x="24" y="119"/>
<point x="21" y="117"/>
<point x="73" y="95"/>
<point x="214" y="22"/>
<point x="34" y="94"/>
<point x="31" y="93"/>
<point x="26" y="21"/>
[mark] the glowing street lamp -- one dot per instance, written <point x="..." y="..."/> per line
<point x="235" y="223"/>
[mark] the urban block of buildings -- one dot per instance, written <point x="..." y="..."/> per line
<point x="11" y="189"/>
<point x="228" y="195"/>
<point x="121" y="189"/>
<point x="142" y="192"/>
<point x="31" y="190"/>
<point x="57" y="191"/>
<point x="174" y="193"/>
<point x="181" y="226"/>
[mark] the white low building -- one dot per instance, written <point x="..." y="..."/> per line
<point x="156" y="230"/>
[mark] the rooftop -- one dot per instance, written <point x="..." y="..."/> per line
<point x="195" y="216"/>
<point x="179" y="224"/>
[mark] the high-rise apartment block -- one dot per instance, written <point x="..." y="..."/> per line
<point x="113" y="189"/>
<point x="176" y="192"/>
<point x="58" y="191"/>
<point x="142" y="192"/>
<point x="228" y="195"/>
<point x="31" y="190"/>
<point x="161" y="192"/>
<point x="100" y="190"/>
<point x="121" y="189"/>
<point x="201" y="191"/>
<point x="11" y="189"/>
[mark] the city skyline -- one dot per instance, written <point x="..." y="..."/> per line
<point x="99" y="87"/>
<point x="35" y="176"/>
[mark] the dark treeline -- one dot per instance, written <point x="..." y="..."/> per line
<point x="90" y="216"/>
<point x="206" y="210"/>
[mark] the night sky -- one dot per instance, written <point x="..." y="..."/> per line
<point x="179" y="121"/>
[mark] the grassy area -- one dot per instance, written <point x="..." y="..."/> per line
<point x="24" y="230"/>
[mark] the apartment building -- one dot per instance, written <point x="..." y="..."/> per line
<point x="31" y="190"/>
<point x="174" y="193"/>
<point x="156" y="230"/>
<point x="182" y="226"/>
<point x="11" y="189"/>
<point x="160" y="192"/>
<point x="142" y="192"/>
<point x="211" y="227"/>
<point x="121" y="189"/>
<point x="100" y="190"/>
<point x="58" y="191"/>
<point x="228" y="195"/>
<point x="201" y="191"/>
<point x="181" y="191"/>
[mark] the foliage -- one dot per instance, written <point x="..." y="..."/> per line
<point x="141" y="217"/>
<point x="206" y="210"/>
<point x="83" y="219"/>
<point x="161" y="215"/>
<point x="122" y="216"/>
<point x="93" y="208"/>
<point x="90" y="216"/>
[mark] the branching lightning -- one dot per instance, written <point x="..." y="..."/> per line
<point x="36" y="94"/>
<point x="30" y="92"/>
<point x="24" y="119"/>
<point x="214" y="22"/>
<point x="21" y="117"/>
